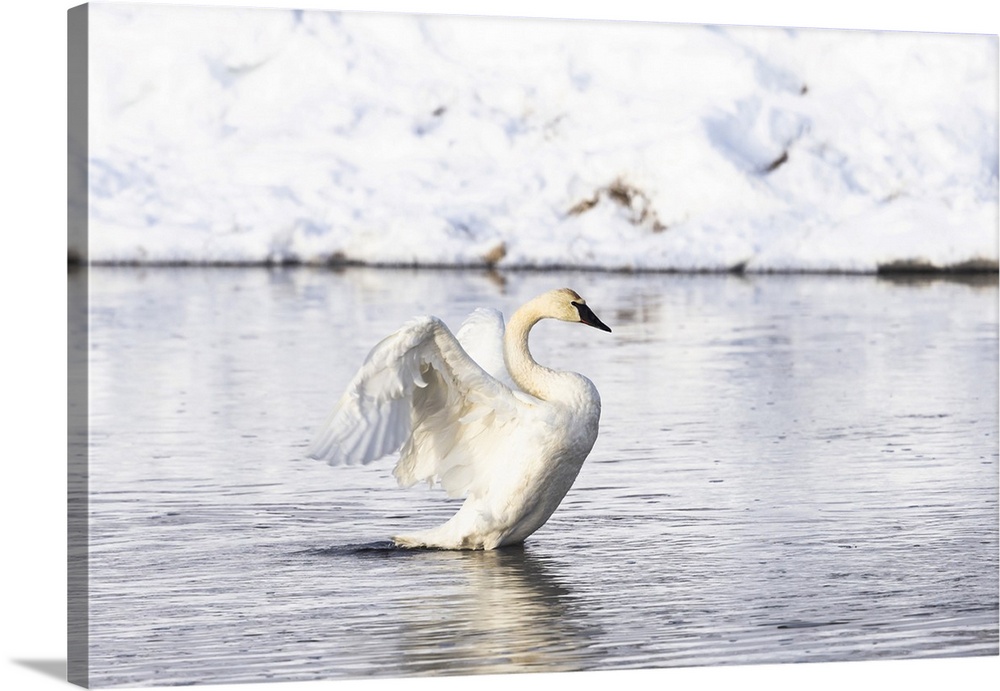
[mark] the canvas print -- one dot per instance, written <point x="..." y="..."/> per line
<point x="424" y="345"/>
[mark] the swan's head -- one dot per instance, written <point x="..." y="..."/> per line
<point x="567" y="305"/>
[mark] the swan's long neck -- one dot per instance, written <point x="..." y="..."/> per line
<point x="526" y="373"/>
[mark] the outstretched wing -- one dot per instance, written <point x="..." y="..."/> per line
<point x="481" y="336"/>
<point x="419" y="390"/>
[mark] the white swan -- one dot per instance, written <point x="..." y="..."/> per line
<point x="476" y="414"/>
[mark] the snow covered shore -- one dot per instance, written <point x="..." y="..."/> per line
<point x="221" y="135"/>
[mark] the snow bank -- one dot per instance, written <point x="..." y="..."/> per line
<point x="228" y="135"/>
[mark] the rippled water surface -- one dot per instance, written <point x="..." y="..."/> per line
<point x="790" y="469"/>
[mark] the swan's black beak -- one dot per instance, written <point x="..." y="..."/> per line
<point x="588" y="317"/>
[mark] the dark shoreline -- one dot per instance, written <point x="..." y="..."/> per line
<point x="976" y="267"/>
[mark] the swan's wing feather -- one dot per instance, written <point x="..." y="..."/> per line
<point x="464" y="415"/>
<point x="372" y="418"/>
<point x="481" y="335"/>
<point x="418" y="389"/>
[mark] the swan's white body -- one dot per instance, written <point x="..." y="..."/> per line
<point x="476" y="414"/>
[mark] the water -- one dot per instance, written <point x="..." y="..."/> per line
<point x="790" y="469"/>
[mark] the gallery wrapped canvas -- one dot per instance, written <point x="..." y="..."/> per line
<point x="779" y="444"/>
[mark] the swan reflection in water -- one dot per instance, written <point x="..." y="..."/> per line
<point x="494" y="611"/>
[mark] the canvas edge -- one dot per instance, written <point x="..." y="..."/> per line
<point x="77" y="386"/>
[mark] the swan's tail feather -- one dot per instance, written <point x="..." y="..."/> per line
<point x="411" y="541"/>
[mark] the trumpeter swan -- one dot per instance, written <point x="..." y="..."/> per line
<point x="476" y="414"/>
